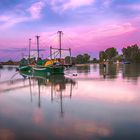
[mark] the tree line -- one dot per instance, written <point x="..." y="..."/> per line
<point x="129" y="54"/>
<point x="79" y="59"/>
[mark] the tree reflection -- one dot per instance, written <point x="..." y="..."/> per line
<point x="83" y="69"/>
<point x="110" y="71"/>
<point x="131" y="71"/>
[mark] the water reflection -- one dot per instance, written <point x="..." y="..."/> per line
<point x="110" y="71"/>
<point x="58" y="84"/>
<point x="131" y="71"/>
<point x="128" y="71"/>
<point x="95" y="104"/>
<point x="83" y="69"/>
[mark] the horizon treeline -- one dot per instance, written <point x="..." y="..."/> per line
<point x="129" y="54"/>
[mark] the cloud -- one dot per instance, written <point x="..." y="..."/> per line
<point x="135" y="7"/>
<point x="79" y="37"/>
<point x="94" y="33"/>
<point x="20" y="14"/>
<point x="9" y="21"/>
<point x="106" y="3"/>
<point x="75" y="4"/>
<point x="4" y="18"/>
<point x="62" y="5"/>
<point x="36" y="8"/>
<point x="130" y="7"/>
<point x="113" y="29"/>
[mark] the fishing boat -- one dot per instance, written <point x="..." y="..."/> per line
<point x="24" y="65"/>
<point x="52" y="66"/>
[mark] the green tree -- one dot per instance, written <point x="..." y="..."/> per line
<point x="86" y="58"/>
<point x="73" y="60"/>
<point x="94" y="60"/>
<point x="111" y="52"/>
<point x="102" y="56"/>
<point x="131" y="53"/>
<point x="67" y="60"/>
<point x="118" y="58"/>
<point x="79" y="59"/>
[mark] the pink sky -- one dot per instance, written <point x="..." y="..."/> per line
<point x="88" y="25"/>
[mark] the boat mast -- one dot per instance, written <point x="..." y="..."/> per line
<point x="29" y="48"/>
<point x="60" y="42"/>
<point x="51" y="52"/>
<point x="70" y="56"/>
<point x="37" y="37"/>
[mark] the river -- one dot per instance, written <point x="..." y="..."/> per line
<point x="88" y="103"/>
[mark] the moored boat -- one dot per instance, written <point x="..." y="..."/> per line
<point x="53" y="66"/>
<point x="49" y="68"/>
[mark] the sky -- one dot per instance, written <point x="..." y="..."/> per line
<point x="88" y="26"/>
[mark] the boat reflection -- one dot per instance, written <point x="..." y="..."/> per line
<point x="57" y="83"/>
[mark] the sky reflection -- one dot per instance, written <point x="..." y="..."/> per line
<point x="88" y="106"/>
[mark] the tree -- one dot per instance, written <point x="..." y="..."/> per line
<point x="73" y="60"/>
<point x="111" y="52"/>
<point x="79" y="59"/>
<point x="102" y="56"/>
<point x="118" y="58"/>
<point x="67" y="60"/>
<point x="95" y="60"/>
<point x="131" y="53"/>
<point x="83" y="59"/>
<point x="86" y="58"/>
<point x="70" y="60"/>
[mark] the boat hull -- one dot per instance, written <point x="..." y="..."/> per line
<point x="25" y="68"/>
<point x="49" y="70"/>
<point x="42" y="71"/>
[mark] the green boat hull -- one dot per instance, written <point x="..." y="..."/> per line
<point x="25" y="68"/>
<point x="49" y="70"/>
<point x="42" y="71"/>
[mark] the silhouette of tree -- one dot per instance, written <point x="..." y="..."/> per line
<point x="111" y="52"/>
<point x="79" y="59"/>
<point x="83" y="59"/>
<point x="131" y="53"/>
<point x="86" y="58"/>
<point x="102" y="56"/>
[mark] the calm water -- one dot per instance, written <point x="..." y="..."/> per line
<point x="96" y="104"/>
